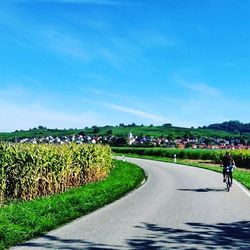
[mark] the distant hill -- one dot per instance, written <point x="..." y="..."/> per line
<point x="231" y="129"/>
<point x="230" y="126"/>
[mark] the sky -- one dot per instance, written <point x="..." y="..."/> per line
<point x="77" y="63"/>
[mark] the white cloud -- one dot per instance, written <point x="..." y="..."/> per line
<point x="140" y="113"/>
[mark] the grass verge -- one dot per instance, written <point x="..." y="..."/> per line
<point x="21" y="221"/>
<point x="241" y="175"/>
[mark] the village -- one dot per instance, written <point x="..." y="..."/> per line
<point x="142" y="141"/>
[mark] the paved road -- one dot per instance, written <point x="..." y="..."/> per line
<point x="177" y="208"/>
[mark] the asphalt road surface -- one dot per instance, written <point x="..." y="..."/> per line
<point x="178" y="207"/>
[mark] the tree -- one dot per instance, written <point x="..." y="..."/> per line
<point x="132" y="125"/>
<point x="189" y="135"/>
<point x="41" y="127"/>
<point x="119" y="141"/>
<point x="167" y="125"/>
<point x="109" y="132"/>
<point x="207" y="141"/>
<point x="82" y="133"/>
<point x="96" y="130"/>
<point x="188" y="145"/>
<point x="170" y="136"/>
<point x="231" y="126"/>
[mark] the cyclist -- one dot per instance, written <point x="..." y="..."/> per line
<point x="228" y="161"/>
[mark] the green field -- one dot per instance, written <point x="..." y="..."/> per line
<point x="241" y="157"/>
<point x="158" y="131"/>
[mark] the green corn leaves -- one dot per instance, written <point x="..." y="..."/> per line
<point x="28" y="171"/>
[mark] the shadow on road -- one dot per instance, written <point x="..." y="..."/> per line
<point x="53" y="242"/>
<point x="201" y="190"/>
<point x="198" y="236"/>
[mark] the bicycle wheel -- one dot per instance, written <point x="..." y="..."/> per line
<point x="228" y="182"/>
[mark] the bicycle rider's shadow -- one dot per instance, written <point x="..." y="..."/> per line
<point x="202" y="190"/>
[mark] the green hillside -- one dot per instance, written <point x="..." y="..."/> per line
<point x="122" y="130"/>
<point x="158" y="131"/>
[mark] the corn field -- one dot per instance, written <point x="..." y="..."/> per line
<point x="29" y="171"/>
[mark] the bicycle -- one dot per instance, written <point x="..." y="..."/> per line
<point x="228" y="173"/>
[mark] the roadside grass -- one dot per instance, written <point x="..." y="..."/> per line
<point x="241" y="175"/>
<point x="21" y="221"/>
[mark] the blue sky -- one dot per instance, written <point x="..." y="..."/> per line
<point x="77" y="63"/>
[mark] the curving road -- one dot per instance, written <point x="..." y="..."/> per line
<point x="177" y="208"/>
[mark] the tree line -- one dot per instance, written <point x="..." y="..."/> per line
<point x="230" y="126"/>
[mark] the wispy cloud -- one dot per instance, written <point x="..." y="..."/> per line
<point x="99" y="92"/>
<point x="112" y="50"/>
<point x="197" y="87"/>
<point x="21" y="108"/>
<point x="114" y="95"/>
<point x="65" y="44"/>
<point x="93" y="2"/>
<point x="140" y="113"/>
<point x="14" y="116"/>
<point x="229" y="64"/>
<point x="89" y="2"/>
<point x="12" y="92"/>
<point x="202" y="88"/>
<point x="118" y="97"/>
<point x="206" y="108"/>
<point x="174" y="101"/>
<point x="153" y="38"/>
<point x="95" y="41"/>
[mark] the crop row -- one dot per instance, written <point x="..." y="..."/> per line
<point x="241" y="157"/>
<point x="28" y="171"/>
